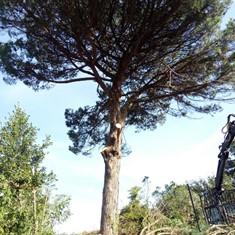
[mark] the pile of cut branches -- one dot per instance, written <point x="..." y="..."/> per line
<point x="221" y="230"/>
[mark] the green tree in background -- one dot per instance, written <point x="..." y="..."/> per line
<point x="168" y="211"/>
<point x="175" y="204"/>
<point x="26" y="204"/>
<point x="132" y="215"/>
<point x="149" y="59"/>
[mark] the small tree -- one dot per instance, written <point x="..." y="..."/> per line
<point x="175" y="204"/>
<point x="132" y="215"/>
<point x="170" y="212"/>
<point x="24" y="184"/>
<point x="149" y="59"/>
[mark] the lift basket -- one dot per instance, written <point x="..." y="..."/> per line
<point x="219" y="207"/>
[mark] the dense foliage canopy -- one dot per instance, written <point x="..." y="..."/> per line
<point x="151" y="57"/>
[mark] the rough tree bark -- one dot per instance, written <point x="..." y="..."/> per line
<point x="112" y="154"/>
<point x="109" y="216"/>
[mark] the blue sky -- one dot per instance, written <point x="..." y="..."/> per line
<point x="181" y="150"/>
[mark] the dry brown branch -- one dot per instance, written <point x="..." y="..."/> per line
<point x="159" y="219"/>
<point x="167" y="231"/>
<point x="221" y="229"/>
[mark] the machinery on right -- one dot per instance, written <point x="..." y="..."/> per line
<point x="218" y="204"/>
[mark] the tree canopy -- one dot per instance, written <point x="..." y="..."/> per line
<point x="152" y="57"/>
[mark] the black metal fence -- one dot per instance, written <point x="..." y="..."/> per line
<point x="219" y="207"/>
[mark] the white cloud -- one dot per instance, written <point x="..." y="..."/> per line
<point x="86" y="217"/>
<point x="194" y="162"/>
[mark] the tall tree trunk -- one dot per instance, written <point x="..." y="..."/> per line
<point x="109" y="216"/>
<point x="112" y="160"/>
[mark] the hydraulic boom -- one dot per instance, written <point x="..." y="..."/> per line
<point x="224" y="153"/>
<point x="219" y="204"/>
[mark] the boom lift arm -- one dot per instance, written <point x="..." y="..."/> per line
<point x="219" y="205"/>
<point x="224" y="152"/>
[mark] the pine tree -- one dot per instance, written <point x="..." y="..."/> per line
<point x="149" y="59"/>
